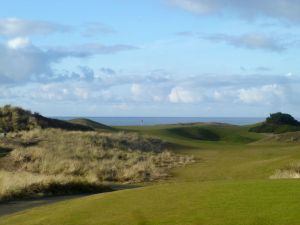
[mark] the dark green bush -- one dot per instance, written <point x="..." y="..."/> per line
<point x="277" y="123"/>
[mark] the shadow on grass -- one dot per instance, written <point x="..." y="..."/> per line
<point x="39" y="190"/>
<point x="4" y="151"/>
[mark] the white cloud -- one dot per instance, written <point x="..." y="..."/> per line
<point x="21" y="61"/>
<point x="182" y="95"/>
<point x="86" y="50"/>
<point x="266" y="94"/>
<point x="18" y="64"/>
<point x="121" y="106"/>
<point x="288" y="10"/>
<point x="248" y="40"/>
<point x="19" y="42"/>
<point x="12" y="27"/>
<point x="82" y="93"/>
<point x="252" y="95"/>
<point x="136" y="90"/>
<point x="201" y="7"/>
<point x="255" y="41"/>
<point x="217" y="95"/>
<point x="157" y="98"/>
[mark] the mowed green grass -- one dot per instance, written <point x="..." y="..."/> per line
<point x="229" y="185"/>
<point x="215" y="203"/>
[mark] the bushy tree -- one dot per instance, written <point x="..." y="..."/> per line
<point x="282" y="119"/>
<point x="277" y="123"/>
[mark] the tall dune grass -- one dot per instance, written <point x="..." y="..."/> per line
<point x="42" y="158"/>
<point x="291" y="171"/>
<point x="18" y="185"/>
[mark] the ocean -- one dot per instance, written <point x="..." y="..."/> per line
<point x="139" y="121"/>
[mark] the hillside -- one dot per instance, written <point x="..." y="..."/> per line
<point x="55" y="162"/>
<point x="90" y="123"/>
<point x="40" y="156"/>
<point x="277" y="123"/>
<point x="288" y="137"/>
<point x="14" y="119"/>
<point x="199" y="132"/>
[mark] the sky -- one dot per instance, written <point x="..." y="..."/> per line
<point x="198" y="58"/>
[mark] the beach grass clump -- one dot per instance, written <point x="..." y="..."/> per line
<point x="290" y="171"/>
<point x="20" y="185"/>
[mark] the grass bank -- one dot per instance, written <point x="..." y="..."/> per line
<point x="51" y="162"/>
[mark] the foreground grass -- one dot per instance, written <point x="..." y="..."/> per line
<point x="214" y="203"/>
<point x="229" y="185"/>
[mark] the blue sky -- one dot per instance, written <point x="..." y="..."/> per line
<point x="151" y="58"/>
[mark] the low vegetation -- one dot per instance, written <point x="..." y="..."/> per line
<point x="19" y="185"/>
<point x="291" y="171"/>
<point x="49" y="157"/>
<point x="43" y="156"/>
<point x="284" y="138"/>
<point x="92" y="124"/>
<point x="13" y="119"/>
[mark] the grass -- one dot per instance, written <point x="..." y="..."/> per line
<point x="20" y="185"/>
<point x="288" y="172"/>
<point x="14" y="119"/>
<point x="47" y="158"/>
<point x="92" y="124"/>
<point x="229" y="185"/>
<point x="215" y="203"/>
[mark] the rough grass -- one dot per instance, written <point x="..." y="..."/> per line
<point x="290" y="171"/>
<point x="13" y="119"/>
<point x="46" y="158"/>
<point x="19" y="185"/>
<point x="289" y="137"/>
<point x="92" y="124"/>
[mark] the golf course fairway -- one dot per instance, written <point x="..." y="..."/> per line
<point x="229" y="184"/>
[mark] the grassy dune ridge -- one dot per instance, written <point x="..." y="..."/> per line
<point x="92" y="124"/>
<point x="13" y="119"/>
<point x="47" y="158"/>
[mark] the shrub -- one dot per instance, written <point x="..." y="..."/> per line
<point x="277" y="123"/>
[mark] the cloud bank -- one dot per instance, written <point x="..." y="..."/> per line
<point x="287" y="10"/>
<point x="21" y="61"/>
<point x="12" y="27"/>
<point x="249" y="40"/>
